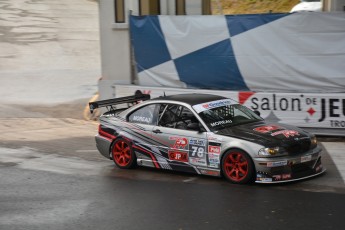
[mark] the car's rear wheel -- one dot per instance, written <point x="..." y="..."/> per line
<point x="123" y="154"/>
<point x="237" y="167"/>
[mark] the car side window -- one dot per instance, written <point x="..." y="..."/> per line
<point x="146" y="115"/>
<point x="176" y="116"/>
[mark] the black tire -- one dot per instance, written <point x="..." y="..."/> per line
<point x="238" y="167"/>
<point x="123" y="155"/>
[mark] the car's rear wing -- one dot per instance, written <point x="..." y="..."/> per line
<point x="138" y="96"/>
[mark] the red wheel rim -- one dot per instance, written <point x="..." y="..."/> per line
<point x="121" y="153"/>
<point x="236" y="166"/>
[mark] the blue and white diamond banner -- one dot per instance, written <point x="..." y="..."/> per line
<point x="300" y="52"/>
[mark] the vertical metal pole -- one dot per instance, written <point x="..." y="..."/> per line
<point x="133" y="77"/>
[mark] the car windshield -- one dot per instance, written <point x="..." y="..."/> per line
<point x="225" y="113"/>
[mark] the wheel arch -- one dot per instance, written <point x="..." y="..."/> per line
<point x="234" y="148"/>
<point x="114" y="140"/>
<point x="132" y="162"/>
<point x="242" y="150"/>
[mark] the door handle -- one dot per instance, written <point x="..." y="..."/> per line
<point x="157" y="131"/>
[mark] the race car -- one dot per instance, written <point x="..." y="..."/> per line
<point x="204" y="134"/>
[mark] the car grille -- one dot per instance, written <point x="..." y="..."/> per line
<point x="302" y="170"/>
<point x="299" y="147"/>
<point x="297" y="170"/>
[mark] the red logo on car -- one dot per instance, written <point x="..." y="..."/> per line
<point x="214" y="149"/>
<point x="180" y="142"/>
<point x="286" y="133"/>
<point x="267" y="128"/>
<point x="178" y="156"/>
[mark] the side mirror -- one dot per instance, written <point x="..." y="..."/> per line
<point x="195" y="127"/>
<point x="257" y="112"/>
<point x="201" y="128"/>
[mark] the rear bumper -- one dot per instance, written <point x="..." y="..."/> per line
<point x="289" y="168"/>
<point x="103" y="145"/>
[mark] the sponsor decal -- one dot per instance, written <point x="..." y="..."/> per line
<point x="276" y="163"/>
<point x="180" y="142"/>
<point x="213" y="155"/>
<point x="142" y="119"/>
<point x="224" y="122"/>
<point x="178" y="156"/>
<point x="196" y="161"/>
<point x="213" y="165"/>
<point x="267" y="128"/>
<point x="259" y="175"/>
<point x="198" y="142"/>
<point x="214" y="143"/>
<point x="197" y="153"/>
<point x="214" y="149"/>
<point x="282" y="177"/>
<point x="305" y="158"/>
<point x="216" y="104"/>
<point x="286" y="133"/>
<point x="318" y="168"/>
<point x="264" y="179"/>
<point x="209" y="172"/>
<point x="277" y="177"/>
<point x="213" y="159"/>
<point x="292" y="162"/>
<point x="286" y="176"/>
<point x="109" y="115"/>
<point x="262" y="176"/>
<point x="211" y="105"/>
<point x="214" y="138"/>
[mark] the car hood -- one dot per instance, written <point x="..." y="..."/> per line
<point x="267" y="134"/>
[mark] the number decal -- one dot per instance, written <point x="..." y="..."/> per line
<point x="198" y="151"/>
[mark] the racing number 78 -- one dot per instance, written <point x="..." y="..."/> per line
<point x="199" y="151"/>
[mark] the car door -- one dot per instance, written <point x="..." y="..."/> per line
<point x="141" y="123"/>
<point x="181" y="146"/>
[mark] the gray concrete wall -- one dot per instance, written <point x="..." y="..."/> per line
<point x="49" y="50"/>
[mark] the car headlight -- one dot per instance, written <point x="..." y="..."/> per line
<point x="313" y="141"/>
<point x="271" y="151"/>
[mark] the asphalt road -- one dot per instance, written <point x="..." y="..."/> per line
<point x="32" y="199"/>
<point x="51" y="182"/>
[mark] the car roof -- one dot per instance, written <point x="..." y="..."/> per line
<point x="191" y="98"/>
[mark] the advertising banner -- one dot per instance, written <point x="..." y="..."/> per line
<point x="299" y="109"/>
<point x="302" y="110"/>
<point x="299" y="52"/>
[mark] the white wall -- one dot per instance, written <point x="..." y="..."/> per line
<point x="167" y="7"/>
<point x="114" y="41"/>
<point x="193" y="7"/>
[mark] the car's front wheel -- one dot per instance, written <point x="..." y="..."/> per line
<point x="123" y="154"/>
<point x="237" y="167"/>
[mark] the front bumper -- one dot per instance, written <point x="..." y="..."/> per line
<point x="289" y="168"/>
